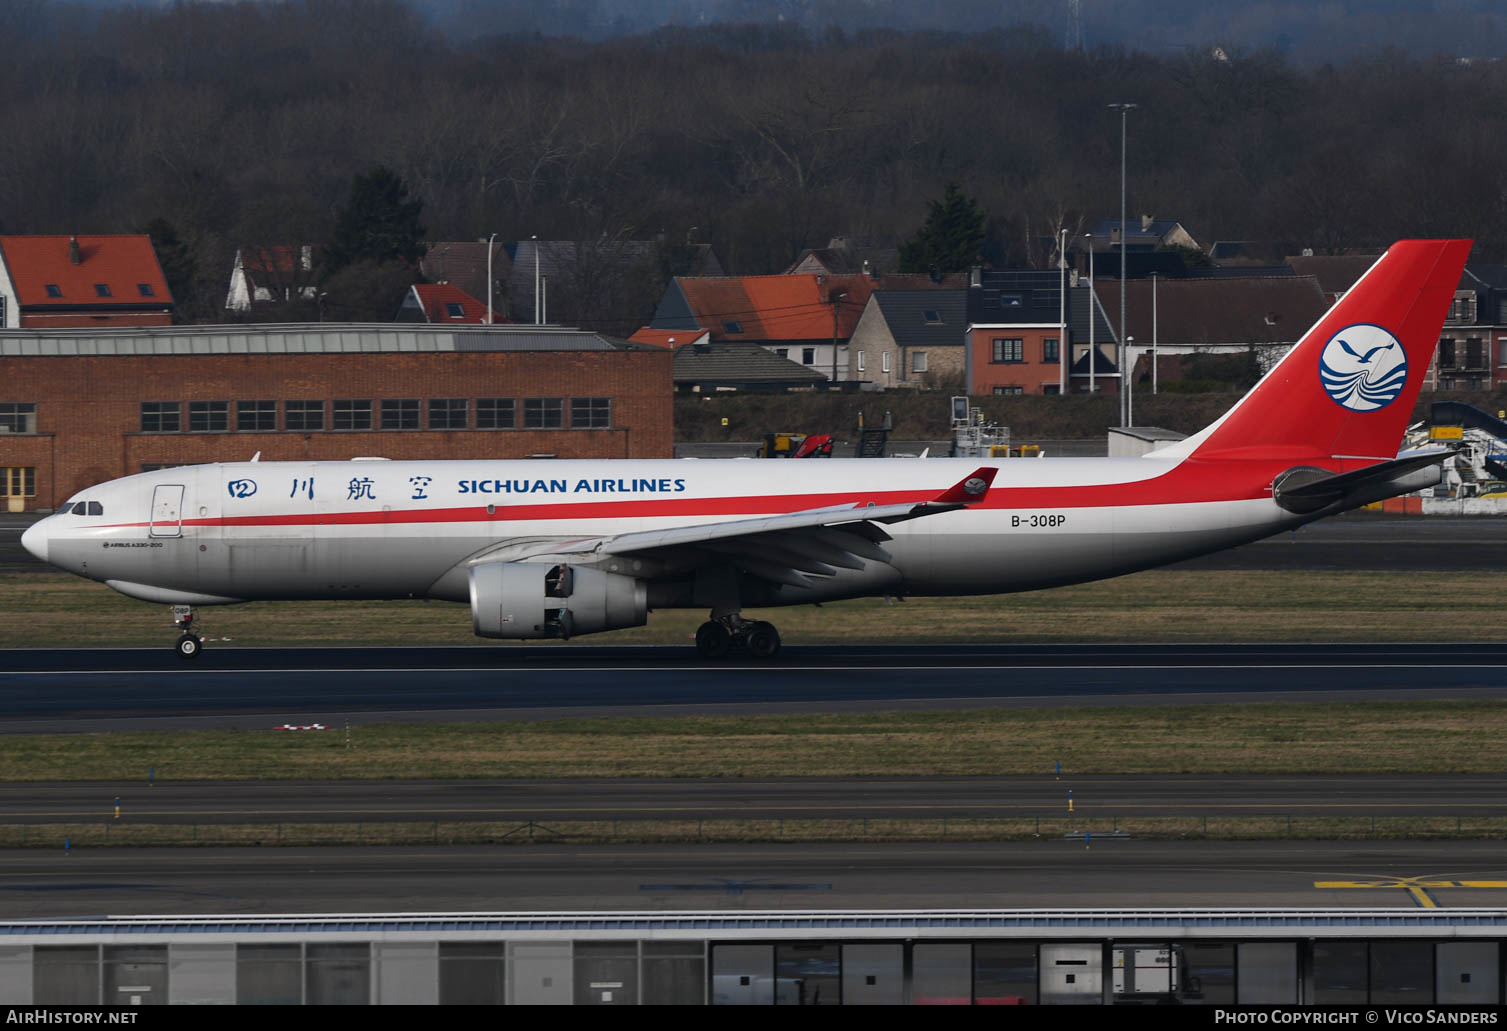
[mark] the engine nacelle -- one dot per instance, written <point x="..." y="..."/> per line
<point x="518" y="600"/>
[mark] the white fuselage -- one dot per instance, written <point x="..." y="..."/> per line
<point x="379" y="529"/>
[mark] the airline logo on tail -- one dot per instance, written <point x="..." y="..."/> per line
<point x="1363" y="368"/>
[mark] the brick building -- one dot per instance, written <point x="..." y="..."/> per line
<point x="79" y="408"/>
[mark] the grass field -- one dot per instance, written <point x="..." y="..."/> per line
<point x="1367" y="737"/>
<point x="57" y="610"/>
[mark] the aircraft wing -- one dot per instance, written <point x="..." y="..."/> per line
<point x="790" y="547"/>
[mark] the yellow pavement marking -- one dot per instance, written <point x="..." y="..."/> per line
<point x="1417" y="887"/>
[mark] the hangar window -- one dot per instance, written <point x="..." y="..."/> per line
<point x="590" y="413"/>
<point x="543" y="413"/>
<point x="495" y="413"/>
<point x="447" y="413"/>
<point x="303" y="415"/>
<point x="400" y="414"/>
<point x="161" y="417"/>
<point x="256" y="415"/>
<point x="353" y="413"/>
<point x="18" y="481"/>
<point x="18" y="417"/>
<point x="208" y="416"/>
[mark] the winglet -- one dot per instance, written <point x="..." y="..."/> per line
<point x="970" y="490"/>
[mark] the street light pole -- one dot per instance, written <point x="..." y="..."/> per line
<point x="489" y="277"/>
<point x="1092" y="365"/>
<point x="536" y="279"/>
<point x="1064" y="352"/>
<point x="1124" y="110"/>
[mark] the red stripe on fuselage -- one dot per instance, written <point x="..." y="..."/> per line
<point x="1192" y="481"/>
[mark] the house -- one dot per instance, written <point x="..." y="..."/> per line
<point x="1145" y="234"/>
<point x="270" y="275"/>
<point x="463" y="263"/>
<point x="1472" y="351"/>
<point x="708" y="368"/>
<point x="844" y="256"/>
<point x="1336" y="273"/>
<point x="81" y="281"/>
<point x="909" y="338"/>
<point x="806" y="318"/>
<point x="1014" y="344"/>
<point x="1260" y="315"/>
<point x="442" y="302"/>
<point x="670" y="338"/>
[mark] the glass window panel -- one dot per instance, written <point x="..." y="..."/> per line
<point x="1208" y="974"/>
<point x="590" y="412"/>
<point x="495" y="413"/>
<point x="447" y="413"/>
<point x="543" y="413"/>
<point x="256" y="415"/>
<point x="606" y="973"/>
<point x="942" y="975"/>
<point x="65" y="975"/>
<point x="161" y="417"/>
<point x="18" y="417"/>
<point x="268" y="975"/>
<point x="1339" y="973"/>
<point x="472" y="973"/>
<point x="352" y="413"/>
<point x="400" y="414"/>
<point x="807" y="975"/>
<point x="1402" y="972"/>
<point x="338" y="975"/>
<point x="303" y="415"/>
<point x="135" y="975"/>
<point x="673" y="973"/>
<point x="1004" y="974"/>
<point x="208" y="416"/>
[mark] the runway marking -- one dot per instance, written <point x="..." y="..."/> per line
<point x="1417" y="887"/>
<point x="931" y="669"/>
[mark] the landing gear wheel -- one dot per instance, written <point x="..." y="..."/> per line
<point x="762" y="640"/>
<point x="713" y="640"/>
<point x="188" y="647"/>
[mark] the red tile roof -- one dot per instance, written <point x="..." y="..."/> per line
<point x="436" y="296"/>
<point x="799" y="307"/>
<point x="121" y="264"/>
<point x="667" y="337"/>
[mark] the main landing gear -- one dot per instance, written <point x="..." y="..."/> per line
<point x="720" y="634"/>
<point x="189" y="644"/>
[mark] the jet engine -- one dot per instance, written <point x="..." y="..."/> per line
<point x="519" y="600"/>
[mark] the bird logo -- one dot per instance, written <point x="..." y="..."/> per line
<point x="1363" y="368"/>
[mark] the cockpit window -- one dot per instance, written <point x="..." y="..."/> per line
<point x="95" y="508"/>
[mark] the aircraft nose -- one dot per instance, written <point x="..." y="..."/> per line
<point x="34" y="540"/>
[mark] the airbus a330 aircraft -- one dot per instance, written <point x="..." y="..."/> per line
<point x="567" y="548"/>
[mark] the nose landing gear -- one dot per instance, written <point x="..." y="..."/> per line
<point x="720" y="634"/>
<point x="189" y="644"/>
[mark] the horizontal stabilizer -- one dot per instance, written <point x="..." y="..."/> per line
<point x="1308" y="489"/>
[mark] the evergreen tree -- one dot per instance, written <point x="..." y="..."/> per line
<point x="178" y="266"/>
<point x="378" y="224"/>
<point x="951" y="239"/>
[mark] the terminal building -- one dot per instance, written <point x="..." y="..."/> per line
<point x="79" y="407"/>
<point x="992" y="957"/>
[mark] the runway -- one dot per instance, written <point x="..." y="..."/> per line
<point x="102" y="689"/>
<point x="927" y="798"/>
<point x="1046" y="874"/>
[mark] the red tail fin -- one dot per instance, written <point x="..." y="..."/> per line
<point x="1348" y="387"/>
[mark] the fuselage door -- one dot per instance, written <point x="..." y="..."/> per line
<point x="167" y="510"/>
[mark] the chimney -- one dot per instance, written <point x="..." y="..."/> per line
<point x="976" y="277"/>
<point x="73" y="257"/>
